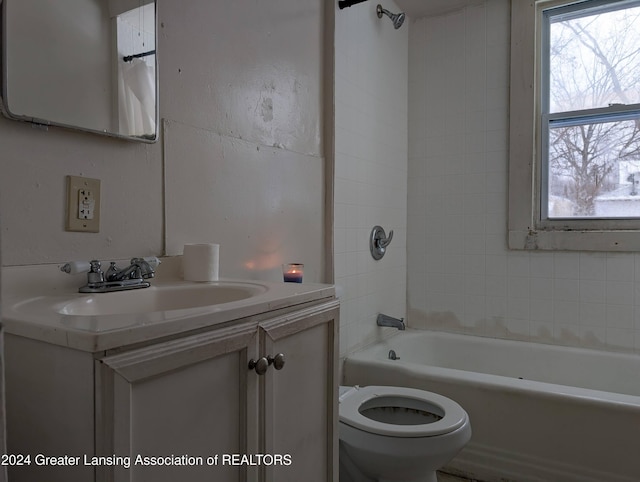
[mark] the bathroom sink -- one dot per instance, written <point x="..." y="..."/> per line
<point x="37" y="304"/>
<point x="159" y="298"/>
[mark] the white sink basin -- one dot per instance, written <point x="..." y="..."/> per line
<point x="37" y="305"/>
<point x="158" y="298"/>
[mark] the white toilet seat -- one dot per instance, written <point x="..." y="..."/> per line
<point x="351" y="401"/>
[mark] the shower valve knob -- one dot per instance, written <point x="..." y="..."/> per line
<point x="378" y="242"/>
<point x="260" y="365"/>
<point x="277" y="361"/>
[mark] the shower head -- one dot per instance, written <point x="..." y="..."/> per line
<point x="396" y="18"/>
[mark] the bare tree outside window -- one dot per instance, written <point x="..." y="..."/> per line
<point x="594" y="159"/>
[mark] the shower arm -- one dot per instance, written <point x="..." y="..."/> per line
<point x="348" y="3"/>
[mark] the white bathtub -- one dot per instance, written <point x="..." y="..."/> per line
<point x="538" y="412"/>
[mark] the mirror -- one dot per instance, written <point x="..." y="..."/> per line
<point x="82" y="64"/>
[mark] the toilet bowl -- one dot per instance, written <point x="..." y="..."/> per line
<point x="390" y="434"/>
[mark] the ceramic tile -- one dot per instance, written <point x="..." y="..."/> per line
<point x="541" y="289"/>
<point x="541" y="310"/>
<point x="566" y="312"/>
<point x="593" y="314"/>
<point x="567" y="265"/>
<point x="592" y="266"/>
<point x="566" y="290"/>
<point x="375" y="161"/>
<point x="619" y="317"/>
<point x="619" y="268"/>
<point x="592" y="291"/>
<point x="619" y="292"/>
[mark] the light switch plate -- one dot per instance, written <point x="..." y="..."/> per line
<point x="83" y="204"/>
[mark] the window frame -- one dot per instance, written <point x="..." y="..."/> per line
<point x="527" y="226"/>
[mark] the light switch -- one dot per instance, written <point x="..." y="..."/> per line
<point x="83" y="204"/>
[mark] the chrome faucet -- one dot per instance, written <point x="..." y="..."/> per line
<point x="385" y="320"/>
<point x="138" y="269"/>
<point x="116" y="279"/>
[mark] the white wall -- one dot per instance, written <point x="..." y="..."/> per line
<point x="370" y="169"/>
<point x="461" y="277"/>
<point x="234" y="77"/>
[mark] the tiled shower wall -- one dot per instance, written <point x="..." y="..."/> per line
<point x="461" y="276"/>
<point x="370" y="169"/>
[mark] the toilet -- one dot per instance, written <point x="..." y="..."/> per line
<point x="392" y="434"/>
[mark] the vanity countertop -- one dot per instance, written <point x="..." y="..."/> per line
<point x="37" y="309"/>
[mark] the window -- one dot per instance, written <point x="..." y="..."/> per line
<point x="575" y="125"/>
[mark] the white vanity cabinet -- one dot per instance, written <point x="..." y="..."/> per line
<point x="191" y="396"/>
<point x="197" y="400"/>
<point x="300" y="408"/>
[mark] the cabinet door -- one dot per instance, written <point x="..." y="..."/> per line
<point x="301" y="399"/>
<point x="50" y="408"/>
<point x="187" y="397"/>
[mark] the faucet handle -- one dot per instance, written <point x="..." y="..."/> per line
<point x="112" y="271"/>
<point x="75" y="267"/>
<point x="383" y="241"/>
<point x="378" y="242"/>
<point x="144" y="269"/>
<point x="95" y="274"/>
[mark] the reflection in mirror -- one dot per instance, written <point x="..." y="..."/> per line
<point x="85" y="64"/>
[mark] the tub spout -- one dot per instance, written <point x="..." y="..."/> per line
<point x="385" y="320"/>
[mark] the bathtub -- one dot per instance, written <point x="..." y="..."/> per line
<point x="538" y="412"/>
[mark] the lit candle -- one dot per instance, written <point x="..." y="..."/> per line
<point x="292" y="272"/>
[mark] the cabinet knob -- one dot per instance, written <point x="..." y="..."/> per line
<point x="277" y="361"/>
<point x="260" y="365"/>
